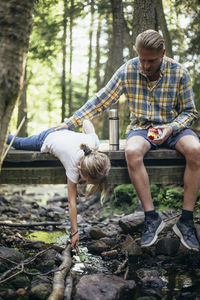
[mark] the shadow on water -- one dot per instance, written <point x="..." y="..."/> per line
<point x="177" y="284"/>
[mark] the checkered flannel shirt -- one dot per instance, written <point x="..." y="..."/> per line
<point x="169" y="100"/>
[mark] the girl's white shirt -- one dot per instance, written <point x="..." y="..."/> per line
<point x="65" y="145"/>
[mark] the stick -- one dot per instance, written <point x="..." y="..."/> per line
<point x="16" y="133"/>
<point x="31" y="224"/>
<point x="59" y="277"/>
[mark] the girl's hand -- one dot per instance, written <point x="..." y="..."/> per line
<point x="74" y="241"/>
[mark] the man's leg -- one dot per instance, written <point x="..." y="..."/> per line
<point x="189" y="146"/>
<point x="136" y="148"/>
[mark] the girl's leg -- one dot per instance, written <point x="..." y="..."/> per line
<point x="33" y="142"/>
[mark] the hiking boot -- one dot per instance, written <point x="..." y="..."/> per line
<point x="187" y="234"/>
<point x="152" y="227"/>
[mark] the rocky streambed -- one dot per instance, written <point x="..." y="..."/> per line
<point x="110" y="264"/>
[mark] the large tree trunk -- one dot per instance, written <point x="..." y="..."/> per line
<point x="90" y="51"/>
<point x="163" y="25"/>
<point x="116" y="53"/>
<point x="64" y="45"/>
<point x="22" y="109"/>
<point x="15" y="28"/>
<point x="98" y="53"/>
<point x="70" y="56"/>
<point x="144" y="17"/>
<point x="115" y="59"/>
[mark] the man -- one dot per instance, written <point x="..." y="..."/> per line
<point x="160" y="95"/>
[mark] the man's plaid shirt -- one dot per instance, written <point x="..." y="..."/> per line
<point x="169" y="100"/>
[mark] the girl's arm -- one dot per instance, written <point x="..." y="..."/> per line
<point x="72" y="194"/>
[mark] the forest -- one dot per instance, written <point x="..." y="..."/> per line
<point x="54" y="56"/>
<point x="70" y="49"/>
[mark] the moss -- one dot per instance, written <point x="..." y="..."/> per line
<point x="20" y="281"/>
<point x="124" y="198"/>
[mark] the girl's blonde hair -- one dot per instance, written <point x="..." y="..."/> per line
<point x="95" y="166"/>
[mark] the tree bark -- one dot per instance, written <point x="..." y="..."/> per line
<point x="15" y="28"/>
<point x="59" y="277"/>
<point x="163" y="25"/>
<point x="144" y="17"/>
<point x="98" y="67"/>
<point x="115" y="59"/>
<point x="63" y="80"/>
<point x="70" y="58"/>
<point x="90" y="51"/>
<point x="22" y="109"/>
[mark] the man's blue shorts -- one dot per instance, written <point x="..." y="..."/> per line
<point x="169" y="143"/>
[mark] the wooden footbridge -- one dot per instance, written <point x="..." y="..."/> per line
<point x="26" y="167"/>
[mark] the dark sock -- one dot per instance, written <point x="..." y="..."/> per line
<point x="187" y="215"/>
<point x="151" y="214"/>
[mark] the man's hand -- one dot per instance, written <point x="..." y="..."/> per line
<point x="74" y="241"/>
<point x="60" y="126"/>
<point x="166" y="132"/>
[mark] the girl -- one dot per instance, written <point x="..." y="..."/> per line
<point x="79" y="156"/>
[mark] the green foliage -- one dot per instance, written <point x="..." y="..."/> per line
<point x="44" y="65"/>
<point x="124" y="198"/>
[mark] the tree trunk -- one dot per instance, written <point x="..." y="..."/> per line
<point x="144" y="17"/>
<point x="90" y="51"/>
<point x="116" y="53"/>
<point x="63" y="80"/>
<point x="115" y="59"/>
<point x="70" y="59"/>
<point x="15" y="28"/>
<point x="22" y="109"/>
<point x="98" y="67"/>
<point x="163" y="25"/>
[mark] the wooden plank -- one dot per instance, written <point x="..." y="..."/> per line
<point x="27" y="156"/>
<point x="47" y="175"/>
<point x="157" y="175"/>
<point x="117" y="175"/>
<point x="164" y="166"/>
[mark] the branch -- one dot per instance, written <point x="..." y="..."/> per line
<point x="30" y="225"/>
<point x="59" y="277"/>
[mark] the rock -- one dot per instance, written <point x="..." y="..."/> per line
<point x="48" y="260"/>
<point x="40" y="289"/>
<point x="167" y="246"/>
<point x="7" y="254"/>
<point x="19" y="281"/>
<point x="96" y="233"/>
<point x="132" y="223"/>
<point x="150" y="279"/>
<point x="197" y="226"/>
<point x="130" y="247"/>
<point x="100" y="286"/>
<point x="97" y="247"/>
<point x="110" y="242"/>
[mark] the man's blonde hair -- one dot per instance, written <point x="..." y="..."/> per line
<point x="150" y="39"/>
<point x="95" y="166"/>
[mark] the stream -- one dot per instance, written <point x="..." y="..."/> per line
<point x="164" y="271"/>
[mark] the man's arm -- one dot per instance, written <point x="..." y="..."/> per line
<point x="100" y="102"/>
<point x="187" y="109"/>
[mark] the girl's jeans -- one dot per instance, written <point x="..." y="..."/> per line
<point x="33" y="142"/>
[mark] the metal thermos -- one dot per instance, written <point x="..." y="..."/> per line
<point x="113" y="129"/>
